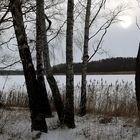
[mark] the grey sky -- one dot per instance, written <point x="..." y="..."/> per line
<point x="120" y="41"/>
<point x="124" y="41"/>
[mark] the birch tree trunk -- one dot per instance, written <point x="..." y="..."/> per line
<point x="137" y="81"/>
<point x="69" y="105"/>
<point x="40" y="43"/>
<point x="42" y="39"/>
<point x="85" y="60"/>
<point x="35" y="98"/>
<point x="52" y="83"/>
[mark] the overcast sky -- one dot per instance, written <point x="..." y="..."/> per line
<point x="122" y="38"/>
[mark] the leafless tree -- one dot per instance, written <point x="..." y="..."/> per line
<point x="101" y="30"/>
<point x="40" y="43"/>
<point x="36" y="98"/>
<point x="43" y="56"/>
<point x="85" y="59"/>
<point x="69" y="105"/>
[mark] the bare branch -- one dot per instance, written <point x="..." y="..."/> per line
<point x="3" y="17"/>
<point x="57" y="31"/>
<point x="3" y="43"/>
<point x="2" y="29"/>
<point x="54" y="4"/>
<point x="49" y="21"/>
<point x="98" y="11"/>
<point x="82" y="4"/>
<point x="105" y="31"/>
<point x="62" y="27"/>
<point x="2" y="68"/>
<point x="100" y="29"/>
<point x="97" y="48"/>
<point x="138" y="26"/>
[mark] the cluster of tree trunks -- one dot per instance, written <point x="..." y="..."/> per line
<point x="40" y="43"/>
<point x="37" y="99"/>
<point x="35" y="82"/>
<point x="44" y="59"/>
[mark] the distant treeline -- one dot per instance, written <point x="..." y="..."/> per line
<point x="110" y="65"/>
<point x="118" y="64"/>
<point x="11" y="72"/>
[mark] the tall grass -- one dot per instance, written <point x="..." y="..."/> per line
<point x="117" y="100"/>
<point x="102" y="98"/>
<point x="16" y="97"/>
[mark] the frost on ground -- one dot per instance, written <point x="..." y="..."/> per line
<point x="15" y="125"/>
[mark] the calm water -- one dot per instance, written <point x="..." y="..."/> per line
<point x="18" y="82"/>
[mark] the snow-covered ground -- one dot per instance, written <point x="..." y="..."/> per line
<point x="15" y="125"/>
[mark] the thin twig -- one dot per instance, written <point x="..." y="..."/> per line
<point x="49" y="21"/>
<point x="2" y="68"/>
<point x="100" y="7"/>
<point x="3" y="17"/>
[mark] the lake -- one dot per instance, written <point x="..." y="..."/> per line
<point x="13" y="82"/>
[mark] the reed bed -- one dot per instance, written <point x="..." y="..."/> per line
<point x="102" y="98"/>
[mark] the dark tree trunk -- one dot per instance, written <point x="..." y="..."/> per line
<point x="40" y="43"/>
<point x="85" y="61"/>
<point x="35" y="99"/>
<point x="137" y="81"/>
<point x="52" y="83"/>
<point x="48" y="71"/>
<point x="69" y="105"/>
<point x="56" y="95"/>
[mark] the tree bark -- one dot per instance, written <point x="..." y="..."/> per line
<point x="42" y="39"/>
<point x="85" y="60"/>
<point x="69" y="105"/>
<point x="40" y="43"/>
<point x="52" y="83"/>
<point x="137" y="81"/>
<point x="35" y="100"/>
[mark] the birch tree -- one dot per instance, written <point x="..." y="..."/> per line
<point x="69" y="105"/>
<point x="51" y="80"/>
<point x="44" y="59"/>
<point x="40" y="43"/>
<point x="88" y="36"/>
<point x="85" y="59"/>
<point x="36" y="101"/>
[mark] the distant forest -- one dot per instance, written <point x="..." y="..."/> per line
<point x="118" y="64"/>
<point x="110" y="65"/>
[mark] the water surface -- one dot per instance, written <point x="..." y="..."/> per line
<point x="13" y="82"/>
